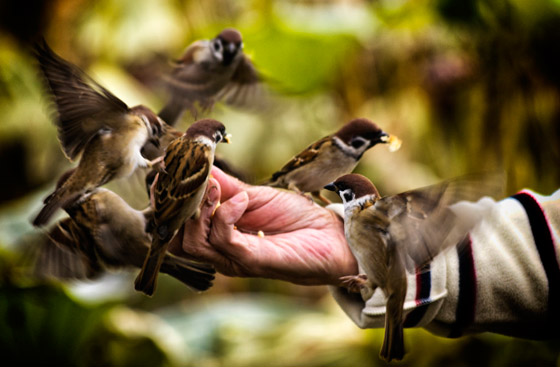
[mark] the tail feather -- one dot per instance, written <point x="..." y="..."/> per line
<point x="52" y="204"/>
<point x="146" y="281"/>
<point x="393" y="343"/>
<point x="66" y="193"/>
<point x="195" y="275"/>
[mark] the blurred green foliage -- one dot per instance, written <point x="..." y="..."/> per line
<point x="468" y="86"/>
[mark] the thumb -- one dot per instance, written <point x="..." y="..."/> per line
<point x="226" y="216"/>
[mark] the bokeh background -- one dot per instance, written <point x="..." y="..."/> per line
<point x="469" y="86"/>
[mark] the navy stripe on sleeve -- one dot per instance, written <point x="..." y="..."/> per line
<point x="547" y="253"/>
<point x="423" y="289"/>
<point x="466" y="304"/>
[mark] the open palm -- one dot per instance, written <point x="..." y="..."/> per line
<point x="302" y="243"/>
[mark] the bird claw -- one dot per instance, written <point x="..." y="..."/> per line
<point x="320" y="197"/>
<point x="293" y="187"/>
<point x="154" y="162"/>
<point x="354" y="283"/>
<point x="307" y="196"/>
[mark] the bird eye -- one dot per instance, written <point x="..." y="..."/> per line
<point x="347" y="195"/>
<point x="217" y="45"/>
<point x="358" y="142"/>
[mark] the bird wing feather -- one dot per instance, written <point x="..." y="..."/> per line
<point x="305" y="157"/>
<point x="79" y="101"/>
<point x="421" y="221"/>
<point x="181" y="179"/>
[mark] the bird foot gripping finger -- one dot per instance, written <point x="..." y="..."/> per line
<point x="154" y="162"/>
<point x="320" y="197"/>
<point x="307" y="196"/>
<point x="354" y="283"/>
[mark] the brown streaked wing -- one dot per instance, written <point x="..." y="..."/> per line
<point x="305" y="157"/>
<point x="194" y="175"/>
<point x="181" y="178"/>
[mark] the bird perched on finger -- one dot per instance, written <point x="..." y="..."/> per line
<point x="156" y="148"/>
<point x="329" y="158"/>
<point x="178" y="190"/>
<point x="208" y="71"/>
<point x="390" y="235"/>
<point x="96" y="126"/>
<point x="104" y="232"/>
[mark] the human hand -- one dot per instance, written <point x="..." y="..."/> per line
<point x="303" y="243"/>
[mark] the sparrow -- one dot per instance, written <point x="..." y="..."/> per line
<point x="178" y="190"/>
<point x="96" y="126"/>
<point x="210" y="70"/>
<point x="392" y="235"/>
<point x="104" y="232"/>
<point x="329" y="158"/>
<point x="156" y="148"/>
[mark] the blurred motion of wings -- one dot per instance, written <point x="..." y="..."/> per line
<point x="103" y="233"/>
<point x="428" y="220"/>
<point x="191" y="87"/>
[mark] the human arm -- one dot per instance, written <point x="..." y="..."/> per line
<point x="498" y="285"/>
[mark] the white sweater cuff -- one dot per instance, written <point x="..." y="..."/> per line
<point x="425" y="291"/>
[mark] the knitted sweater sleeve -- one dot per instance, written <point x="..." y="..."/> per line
<point x="504" y="278"/>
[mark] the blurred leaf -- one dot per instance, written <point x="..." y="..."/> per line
<point x="298" y="62"/>
<point x="41" y="324"/>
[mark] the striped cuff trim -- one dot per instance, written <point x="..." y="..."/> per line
<point x="466" y="304"/>
<point x="545" y="246"/>
<point x="423" y="290"/>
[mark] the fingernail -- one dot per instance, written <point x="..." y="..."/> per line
<point x="212" y="195"/>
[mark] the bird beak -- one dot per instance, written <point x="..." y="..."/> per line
<point x="227" y="138"/>
<point x="231" y="48"/>
<point x="330" y="187"/>
<point x="394" y="142"/>
<point x="384" y="137"/>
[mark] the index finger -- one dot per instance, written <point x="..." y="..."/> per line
<point x="230" y="186"/>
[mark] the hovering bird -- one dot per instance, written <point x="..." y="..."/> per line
<point x="390" y="235"/>
<point x="94" y="125"/>
<point x="104" y="232"/>
<point x="208" y="71"/>
<point x="330" y="157"/>
<point x="178" y="190"/>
